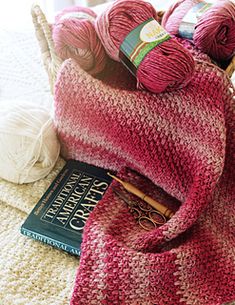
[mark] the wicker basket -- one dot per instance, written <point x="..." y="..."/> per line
<point x="51" y="60"/>
<point x="43" y="33"/>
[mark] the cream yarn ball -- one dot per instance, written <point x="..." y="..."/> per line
<point x="29" y="147"/>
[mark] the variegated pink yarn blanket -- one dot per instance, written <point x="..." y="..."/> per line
<point x="183" y="141"/>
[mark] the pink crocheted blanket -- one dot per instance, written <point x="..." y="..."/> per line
<point x="180" y="147"/>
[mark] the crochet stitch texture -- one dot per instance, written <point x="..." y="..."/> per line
<point x="183" y="141"/>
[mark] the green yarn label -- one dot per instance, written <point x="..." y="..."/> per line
<point x="187" y="26"/>
<point x="139" y="42"/>
<point x="77" y="15"/>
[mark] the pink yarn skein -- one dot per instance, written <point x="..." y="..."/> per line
<point x="215" y="30"/>
<point x="166" y="67"/>
<point x="75" y="37"/>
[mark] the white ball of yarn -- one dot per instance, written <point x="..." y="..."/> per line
<point x="29" y="147"/>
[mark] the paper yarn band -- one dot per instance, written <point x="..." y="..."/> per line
<point x="187" y="26"/>
<point x="139" y="42"/>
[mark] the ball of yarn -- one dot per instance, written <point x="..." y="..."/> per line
<point x="167" y="66"/>
<point x="29" y="146"/>
<point x="214" y="32"/>
<point x="75" y="37"/>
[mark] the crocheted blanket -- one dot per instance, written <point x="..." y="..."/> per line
<point x="180" y="149"/>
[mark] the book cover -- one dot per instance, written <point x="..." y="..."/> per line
<point x="59" y="217"/>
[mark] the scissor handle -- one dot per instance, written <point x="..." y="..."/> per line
<point x="146" y="223"/>
<point x="135" y="212"/>
<point x="157" y="222"/>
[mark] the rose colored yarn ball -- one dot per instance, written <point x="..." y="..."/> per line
<point x="167" y="66"/>
<point x="75" y="37"/>
<point x="214" y="32"/>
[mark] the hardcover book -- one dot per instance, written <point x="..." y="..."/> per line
<point x="59" y="217"/>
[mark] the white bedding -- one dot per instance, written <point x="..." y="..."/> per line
<point x="22" y="75"/>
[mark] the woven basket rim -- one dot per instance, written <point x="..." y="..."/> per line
<point x="43" y="33"/>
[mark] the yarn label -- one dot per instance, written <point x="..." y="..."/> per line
<point x="139" y="42"/>
<point x="187" y="26"/>
<point x="78" y="15"/>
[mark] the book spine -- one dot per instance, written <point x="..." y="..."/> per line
<point x="51" y="242"/>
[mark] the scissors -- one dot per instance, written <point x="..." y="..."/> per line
<point x="147" y="217"/>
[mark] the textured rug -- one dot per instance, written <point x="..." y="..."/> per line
<point x="31" y="273"/>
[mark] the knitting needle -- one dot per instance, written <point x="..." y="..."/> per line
<point x="132" y="189"/>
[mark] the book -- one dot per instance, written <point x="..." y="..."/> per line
<point x="59" y="217"/>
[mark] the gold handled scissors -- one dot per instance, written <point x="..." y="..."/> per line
<point x="147" y="217"/>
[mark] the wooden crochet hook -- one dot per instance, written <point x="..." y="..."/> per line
<point x="155" y="204"/>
